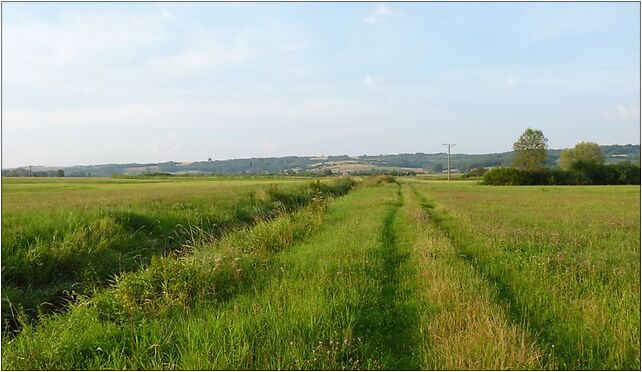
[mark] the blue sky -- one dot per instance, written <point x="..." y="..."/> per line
<point x="93" y="83"/>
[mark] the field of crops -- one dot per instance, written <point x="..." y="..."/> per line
<point x="291" y="273"/>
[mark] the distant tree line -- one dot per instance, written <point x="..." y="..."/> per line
<point x="301" y="165"/>
<point x="23" y="172"/>
<point x="581" y="165"/>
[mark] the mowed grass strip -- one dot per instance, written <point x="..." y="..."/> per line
<point x="565" y="260"/>
<point x="462" y="327"/>
<point x="317" y="306"/>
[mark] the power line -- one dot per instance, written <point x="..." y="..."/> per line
<point x="449" y="145"/>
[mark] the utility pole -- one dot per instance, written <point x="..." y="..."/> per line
<point x="449" y="145"/>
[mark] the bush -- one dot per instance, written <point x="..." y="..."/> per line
<point x="337" y="187"/>
<point x="378" y="180"/>
<point x="292" y="199"/>
<point x="581" y="174"/>
<point x="627" y="173"/>
<point x="616" y="174"/>
<point x="503" y="176"/>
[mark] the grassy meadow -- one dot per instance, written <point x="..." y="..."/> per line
<point x="565" y="262"/>
<point x="62" y="237"/>
<point x="287" y="273"/>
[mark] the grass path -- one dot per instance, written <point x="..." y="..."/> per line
<point x="389" y="310"/>
<point x="462" y="326"/>
<point x="377" y="283"/>
<point x="325" y="304"/>
<point x="564" y="260"/>
<point x="380" y="287"/>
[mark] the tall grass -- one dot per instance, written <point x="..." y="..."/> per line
<point x="565" y="260"/>
<point x="461" y="325"/>
<point x="147" y="319"/>
<point x="431" y="275"/>
<point x="51" y="255"/>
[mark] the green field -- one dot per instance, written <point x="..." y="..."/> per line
<point x="62" y="237"/>
<point x="232" y="273"/>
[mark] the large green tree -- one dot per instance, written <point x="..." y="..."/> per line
<point x="584" y="152"/>
<point x="530" y="150"/>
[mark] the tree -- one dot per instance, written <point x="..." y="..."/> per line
<point x="585" y="152"/>
<point x="61" y="173"/>
<point x="530" y="150"/>
<point x="438" y="168"/>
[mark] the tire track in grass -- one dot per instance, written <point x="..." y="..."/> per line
<point x="502" y="312"/>
<point x="389" y="315"/>
<point x="306" y="316"/>
<point x="570" y="341"/>
<point x="310" y="313"/>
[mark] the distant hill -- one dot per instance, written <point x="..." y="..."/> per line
<point x="417" y="163"/>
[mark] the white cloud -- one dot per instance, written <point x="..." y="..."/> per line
<point x="37" y="50"/>
<point x="379" y="14"/>
<point x="371" y="81"/>
<point x="624" y="112"/>
<point x="107" y="54"/>
<point x="200" y="57"/>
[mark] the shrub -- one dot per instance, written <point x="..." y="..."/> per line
<point x="503" y="176"/>
<point x="378" y="180"/>
<point x="616" y="174"/>
<point x="581" y="174"/>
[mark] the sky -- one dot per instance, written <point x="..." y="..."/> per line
<point x="96" y="83"/>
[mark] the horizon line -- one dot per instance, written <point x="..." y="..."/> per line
<point x="277" y="157"/>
